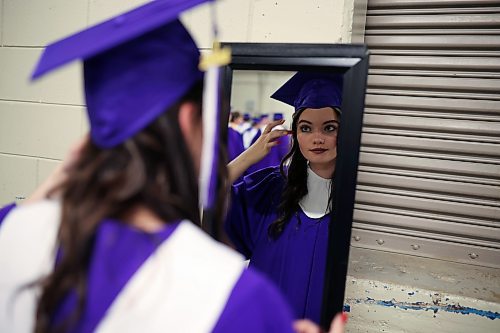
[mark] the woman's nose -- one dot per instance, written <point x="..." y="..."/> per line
<point x="318" y="140"/>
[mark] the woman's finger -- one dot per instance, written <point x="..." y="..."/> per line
<point x="276" y="134"/>
<point x="338" y="323"/>
<point x="306" y="326"/>
<point x="272" y="125"/>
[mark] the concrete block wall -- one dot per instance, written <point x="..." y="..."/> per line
<point x="40" y="120"/>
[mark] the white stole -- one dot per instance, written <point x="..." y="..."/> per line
<point x="316" y="203"/>
<point x="182" y="287"/>
<point x="27" y="252"/>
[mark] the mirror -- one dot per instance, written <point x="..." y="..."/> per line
<point x="257" y="70"/>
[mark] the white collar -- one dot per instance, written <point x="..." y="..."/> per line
<point x="315" y="203"/>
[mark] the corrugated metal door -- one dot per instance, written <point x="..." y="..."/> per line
<point x="429" y="180"/>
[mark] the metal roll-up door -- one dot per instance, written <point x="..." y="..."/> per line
<point x="429" y="175"/>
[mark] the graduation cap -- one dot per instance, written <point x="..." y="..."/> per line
<point x="311" y="90"/>
<point x="277" y="116"/>
<point x="135" y="66"/>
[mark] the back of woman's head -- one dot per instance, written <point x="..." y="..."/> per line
<point x="153" y="169"/>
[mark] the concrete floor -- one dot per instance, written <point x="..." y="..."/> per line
<point x="389" y="292"/>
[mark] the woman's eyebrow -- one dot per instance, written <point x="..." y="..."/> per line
<point x="326" y="122"/>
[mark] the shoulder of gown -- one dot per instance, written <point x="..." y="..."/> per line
<point x="5" y="210"/>
<point x="259" y="186"/>
<point x="255" y="305"/>
<point x="252" y="207"/>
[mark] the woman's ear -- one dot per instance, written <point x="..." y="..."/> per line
<point x="189" y="120"/>
<point x="192" y="130"/>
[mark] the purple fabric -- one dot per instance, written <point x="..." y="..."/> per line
<point x="234" y="144"/>
<point x="5" y="210"/>
<point x="255" y="306"/>
<point x="252" y="132"/>
<point x="296" y="260"/>
<point x="136" y="65"/>
<point x="130" y="85"/>
<point x="274" y="157"/>
<point x="119" y="251"/>
<point x="311" y="90"/>
<point x="108" y="34"/>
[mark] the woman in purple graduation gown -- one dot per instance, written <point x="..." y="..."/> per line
<point x="120" y="251"/>
<point x="279" y="216"/>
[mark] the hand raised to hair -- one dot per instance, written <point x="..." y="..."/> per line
<point x="60" y="173"/>
<point x="266" y="141"/>
<point x="257" y="151"/>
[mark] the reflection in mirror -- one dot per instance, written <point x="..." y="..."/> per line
<point x="252" y="109"/>
<point x="281" y="199"/>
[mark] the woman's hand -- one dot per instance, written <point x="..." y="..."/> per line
<point x="60" y="173"/>
<point x="307" y="326"/>
<point x="257" y="151"/>
<point x="266" y="141"/>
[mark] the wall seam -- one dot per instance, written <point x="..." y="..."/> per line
<point x="250" y="21"/>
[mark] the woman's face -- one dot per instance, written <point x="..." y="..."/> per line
<point x="317" y="136"/>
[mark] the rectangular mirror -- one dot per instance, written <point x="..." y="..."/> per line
<point x="254" y="74"/>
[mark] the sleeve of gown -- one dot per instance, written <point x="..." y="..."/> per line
<point x="5" y="210"/>
<point x="253" y="203"/>
<point x="255" y="305"/>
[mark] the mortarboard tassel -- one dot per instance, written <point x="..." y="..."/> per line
<point x="212" y="65"/>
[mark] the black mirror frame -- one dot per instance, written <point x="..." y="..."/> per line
<point x="352" y="60"/>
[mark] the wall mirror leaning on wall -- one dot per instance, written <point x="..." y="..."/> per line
<point x="307" y="255"/>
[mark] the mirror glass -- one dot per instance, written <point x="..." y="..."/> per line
<point x="293" y="256"/>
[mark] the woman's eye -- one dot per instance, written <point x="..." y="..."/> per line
<point x="305" y="128"/>
<point x="330" y="128"/>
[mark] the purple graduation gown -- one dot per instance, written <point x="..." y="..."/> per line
<point x="296" y="260"/>
<point x="234" y="144"/>
<point x="274" y="157"/>
<point x="254" y="305"/>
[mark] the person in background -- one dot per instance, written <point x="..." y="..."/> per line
<point x="234" y="138"/>
<point x="111" y="242"/>
<point x="277" y="154"/>
<point x="264" y="121"/>
<point x="279" y="216"/>
<point x="235" y="120"/>
<point x="252" y="134"/>
<point x="246" y="123"/>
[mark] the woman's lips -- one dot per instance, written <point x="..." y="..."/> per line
<point x="318" y="150"/>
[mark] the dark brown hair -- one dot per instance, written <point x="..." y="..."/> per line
<point x="153" y="168"/>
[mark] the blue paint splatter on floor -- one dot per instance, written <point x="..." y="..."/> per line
<point x="429" y="307"/>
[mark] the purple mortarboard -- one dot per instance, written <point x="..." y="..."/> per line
<point x="277" y="116"/>
<point x="135" y="66"/>
<point x="311" y="90"/>
<point x="246" y="117"/>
